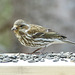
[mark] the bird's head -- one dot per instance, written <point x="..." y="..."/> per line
<point x="20" y="25"/>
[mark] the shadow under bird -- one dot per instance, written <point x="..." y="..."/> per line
<point x="32" y="35"/>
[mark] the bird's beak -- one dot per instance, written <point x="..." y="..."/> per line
<point x="13" y="28"/>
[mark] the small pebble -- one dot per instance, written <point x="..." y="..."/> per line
<point x="14" y="60"/>
<point x="32" y="58"/>
<point x="55" y="60"/>
<point x="42" y="60"/>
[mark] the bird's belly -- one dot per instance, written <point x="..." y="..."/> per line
<point x="32" y="43"/>
<point x="38" y="42"/>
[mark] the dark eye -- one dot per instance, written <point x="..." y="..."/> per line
<point x="21" y="25"/>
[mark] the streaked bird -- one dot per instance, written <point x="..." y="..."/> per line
<point x="32" y="35"/>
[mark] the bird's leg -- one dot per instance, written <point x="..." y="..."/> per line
<point x="18" y="54"/>
<point x="35" y="50"/>
<point x="38" y="50"/>
<point x="43" y="50"/>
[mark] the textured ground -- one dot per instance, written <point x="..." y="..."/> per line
<point x="38" y="58"/>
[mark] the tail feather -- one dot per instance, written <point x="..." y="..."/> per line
<point x="67" y="41"/>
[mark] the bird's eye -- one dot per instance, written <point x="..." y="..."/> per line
<point x="21" y="25"/>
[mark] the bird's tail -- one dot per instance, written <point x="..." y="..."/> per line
<point x="67" y="41"/>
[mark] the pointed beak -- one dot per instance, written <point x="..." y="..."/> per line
<point x="13" y="28"/>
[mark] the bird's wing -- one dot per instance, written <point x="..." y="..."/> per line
<point x="35" y="29"/>
<point x="48" y="34"/>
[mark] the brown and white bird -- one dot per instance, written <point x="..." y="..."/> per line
<point x="32" y="35"/>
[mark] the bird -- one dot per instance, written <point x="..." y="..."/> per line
<point x="36" y="36"/>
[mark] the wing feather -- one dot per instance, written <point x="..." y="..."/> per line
<point x="49" y="34"/>
<point x="37" y="31"/>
